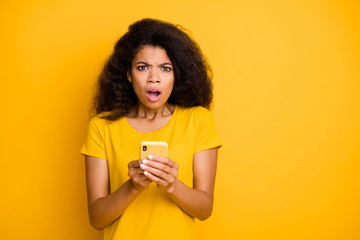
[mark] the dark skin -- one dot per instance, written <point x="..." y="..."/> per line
<point x="153" y="113"/>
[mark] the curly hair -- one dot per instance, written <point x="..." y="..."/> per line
<point x="192" y="73"/>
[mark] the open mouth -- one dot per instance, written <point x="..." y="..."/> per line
<point x="153" y="94"/>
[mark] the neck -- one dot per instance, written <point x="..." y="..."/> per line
<point x="142" y="111"/>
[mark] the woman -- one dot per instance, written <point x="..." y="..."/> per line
<point x="155" y="86"/>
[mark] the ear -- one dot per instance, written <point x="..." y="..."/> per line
<point x="129" y="76"/>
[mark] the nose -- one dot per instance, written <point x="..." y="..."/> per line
<point x="154" y="76"/>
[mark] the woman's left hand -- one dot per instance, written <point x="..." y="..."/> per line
<point x="161" y="170"/>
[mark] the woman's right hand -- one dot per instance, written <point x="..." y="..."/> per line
<point x="105" y="206"/>
<point x="139" y="181"/>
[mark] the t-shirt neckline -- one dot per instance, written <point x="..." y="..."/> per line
<point x="156" y="131"/>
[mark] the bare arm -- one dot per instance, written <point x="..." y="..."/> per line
<point x="197" y="201"/>
<point x="103" y="207"/>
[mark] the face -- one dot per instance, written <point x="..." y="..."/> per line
<point x="152" y="77"/>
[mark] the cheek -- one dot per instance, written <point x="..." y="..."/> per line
<point x="171" y="84"/>
<point x="172" y="87"/>
<point x="137" y="82"/>
<point x="169" y="87"/>
<point x="137" y="88"/>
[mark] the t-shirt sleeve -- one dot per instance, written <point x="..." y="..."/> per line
<point x="94" y="144"/>
<point x="207" y="136"/>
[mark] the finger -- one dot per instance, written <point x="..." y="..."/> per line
<point x="134" y="172"/>
<point x="160" y="166"/>
<point x="145" y="182"/>
<point x="158" y="173"/>
<point x="139" y="178"/>
<point x="155" y="179"/>
<point x="134" y="164"/>
<point x="164" y="160"/>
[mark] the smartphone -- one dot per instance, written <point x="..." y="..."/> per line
<point x="153" y="148"/>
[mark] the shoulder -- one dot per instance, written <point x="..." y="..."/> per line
<point x="100" y="121"/>
<point x="193" y="111"/>
<point x="194" y="115"/>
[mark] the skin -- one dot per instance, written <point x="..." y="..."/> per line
<point x="151" y="68"/>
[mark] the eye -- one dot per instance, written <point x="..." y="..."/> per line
<point x="167" y="69"/>
<point x="143" y="67"/>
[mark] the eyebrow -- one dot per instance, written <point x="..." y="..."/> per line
<point x="147" y="64"/>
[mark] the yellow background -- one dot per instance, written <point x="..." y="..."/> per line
<point x="287" y="108"/>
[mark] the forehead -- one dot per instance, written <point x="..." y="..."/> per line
<point x="151" y="54"/>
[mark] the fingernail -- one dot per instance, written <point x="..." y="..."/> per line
<point x="142" y="166"/>
<point x="144" y="161"/>
<point x="145" y="173"/>
<point x="150" y="156"/>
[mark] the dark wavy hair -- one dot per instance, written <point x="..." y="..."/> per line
<point x="192" y="73"/>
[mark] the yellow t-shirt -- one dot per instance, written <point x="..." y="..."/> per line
<point x="152" y="215"/>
